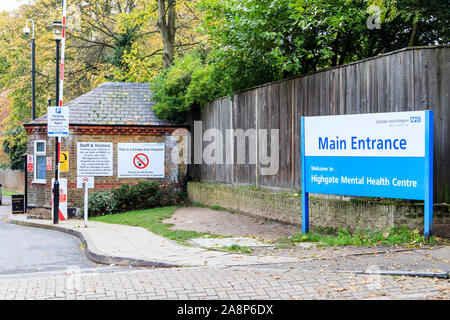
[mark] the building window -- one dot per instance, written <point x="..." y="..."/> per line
<point x="40" y="162"/>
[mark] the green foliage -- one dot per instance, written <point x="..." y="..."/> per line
<point x="237" y="248"/>
<point x="9" y="193"/>
<point x="252" y="42"/>
<point x="123" y="197"/>
<point x="144" y="195"/>
<point x="15" y="145"/>
<point x="398" y="235"/>
<point x="284" y="38"/>
<point x="122" y="44"/>
<point x="263" y="41"/>
<point x="190" y="82"/>
<point x="101" y="203"/>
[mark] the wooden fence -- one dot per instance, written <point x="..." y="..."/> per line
<point x="12" y="180"/>
<point x="405" y="80"/>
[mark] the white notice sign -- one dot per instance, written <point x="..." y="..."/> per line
<point x="58" y="121"/>
<point x="88" y="180"/>
<point x="94" y="159"/>
<point x="140" y="160"/>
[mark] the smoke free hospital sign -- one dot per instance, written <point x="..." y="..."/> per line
<point x="377" y="155"/>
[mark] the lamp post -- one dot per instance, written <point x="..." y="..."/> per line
<point x="27" y="30"/>
<point x="57" y="33"/>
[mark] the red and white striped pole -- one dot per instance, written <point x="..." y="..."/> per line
<point x="61" y="74"/>
<point x="63" y="46"/>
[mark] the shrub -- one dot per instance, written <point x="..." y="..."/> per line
<point x="123" y="196"/>
<point x="101" y="203"/>
<point x="143" y="195"/>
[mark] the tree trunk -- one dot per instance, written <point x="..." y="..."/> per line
<point x="348" y="41"/>
<point x="334" y="59"/>
<point x="166" y="26"/>
<point x="412" y="39"/>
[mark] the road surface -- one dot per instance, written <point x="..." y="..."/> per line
<point x="29" y="250"/>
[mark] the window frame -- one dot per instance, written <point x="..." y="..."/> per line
<point x="35" y="155"/>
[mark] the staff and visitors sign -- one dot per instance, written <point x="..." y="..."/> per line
<point x="386" y="155"/>
<point x="94" y="159"/>
<point x="140" y="160"/>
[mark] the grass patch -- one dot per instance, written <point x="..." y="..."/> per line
<point x="237" y="248"/>
<point x="218" y="208"/>
<point x="9" y="193"/>
<point x="345" y="237"/>
<point x="151" y="219"/>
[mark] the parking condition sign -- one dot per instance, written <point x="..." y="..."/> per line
<point x="140" y="160"/>
<point x="58" y="121"/>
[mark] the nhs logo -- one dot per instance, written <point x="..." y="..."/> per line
<point x="415" y="119"/>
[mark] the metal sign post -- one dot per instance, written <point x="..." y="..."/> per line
<point x="85" y="203"/>
<point x="85" y="183"/>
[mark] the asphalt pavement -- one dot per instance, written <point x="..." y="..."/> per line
<point x="29" y="250"/>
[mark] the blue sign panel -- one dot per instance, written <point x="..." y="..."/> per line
<point x="385" y="155"/>
<point x="58" y="121"/>
<point x="367" y="176"/>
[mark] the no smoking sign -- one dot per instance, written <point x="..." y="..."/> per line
<point x="140" y="160"/>
<point x="89" y="181"/>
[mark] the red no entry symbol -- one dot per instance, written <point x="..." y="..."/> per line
<point x="140" y="161"/>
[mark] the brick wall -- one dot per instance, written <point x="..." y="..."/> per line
<point x="323" y="212"/>
<point x="39" y="195"/>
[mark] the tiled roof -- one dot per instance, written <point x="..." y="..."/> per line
<point x="112" y="103"/>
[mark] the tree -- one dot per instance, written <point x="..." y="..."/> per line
<point x="191" y="81"/>
<point x="251" y="42"/>
<point x="269" y="40"/>
<point x="167" y="29"/>
<point x="15" y="146"/>
<point x="106" y="41"/>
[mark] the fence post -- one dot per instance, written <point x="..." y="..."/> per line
<point x="257" y="137"/>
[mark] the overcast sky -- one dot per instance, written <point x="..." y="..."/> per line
<point x="10" y="4"/>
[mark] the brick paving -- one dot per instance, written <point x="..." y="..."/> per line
<point x="219" y="283"/>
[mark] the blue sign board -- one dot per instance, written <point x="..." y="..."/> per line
<point x="387" y="155"/>
<point x="57" y="121"/>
